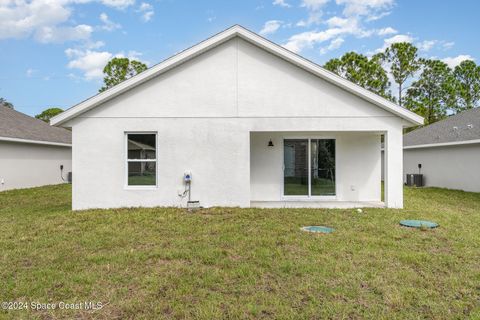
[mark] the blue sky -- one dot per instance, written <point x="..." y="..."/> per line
<point x="52" y="51"/>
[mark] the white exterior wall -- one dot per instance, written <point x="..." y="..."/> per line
<point x="25" y="165"/>
<point x="452" y="167"/>
<point x="204" y="112"/>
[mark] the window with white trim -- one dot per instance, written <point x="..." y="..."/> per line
<point x="141" y="159"/>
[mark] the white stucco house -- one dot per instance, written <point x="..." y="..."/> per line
<point x="32" y="152"/>
<point x="252" y="123"/>
<point x="448" y="152"/>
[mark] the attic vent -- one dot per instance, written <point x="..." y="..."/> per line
<point x="469" y="126"/>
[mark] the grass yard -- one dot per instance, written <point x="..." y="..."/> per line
<point x="241" y="263"/>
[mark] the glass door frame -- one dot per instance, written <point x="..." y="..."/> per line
<point x="309" y="164"/>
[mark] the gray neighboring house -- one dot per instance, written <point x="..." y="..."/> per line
<point x="448" y="150"/>
<point x="31" y="151"/>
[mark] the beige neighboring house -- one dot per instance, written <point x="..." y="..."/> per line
<point x="448" y="151"/>
<point x="32" y="152"/>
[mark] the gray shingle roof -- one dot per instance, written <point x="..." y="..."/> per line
<point x="14" y="124"/>
<point x="460" y="127"/>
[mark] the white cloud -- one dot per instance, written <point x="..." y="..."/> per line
<point x="350" y="22"/>
<point x="337" y="27"/>
<point x="314" y="12"/>
<point x="335" y="22"/>
<point x="370" y="8"/>
<point x="314" y="4"/>
<point x="455" y="61"/>
<point x="94" y="45"/>
<point x="448" y="45"/>
<point x="334" y="44"/>
<point x="386" y="31"/>
<point x="398" y="38"/>
<point x="426" y="45"/>
<point x="118" y="4"/>
<point x="145" y="6"/>
<point x="47" y="20"/>
<point x="314" y="17"/>
<point x="147" y="11"/>
<point x="21" y="19"/>
<point x="108" y="24"/>
<point x="374" y="17"/>
<point x="91" y="62"/>
<point x="132" y="54"/>
<point x="395" y="39"/>
<point x="298" y="42"/>
<point x="270" y="27"/>
<point x="147" y="16"/>
<point x="49" y="34"/>
<point x="281" y="3"/>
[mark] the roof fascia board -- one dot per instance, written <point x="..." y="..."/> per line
<point x="443" y="144"/>
<point x="218" y="39"/>
<point x="59" y="144"/>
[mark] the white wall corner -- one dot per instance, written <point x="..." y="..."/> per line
<point x="394" y="168"/>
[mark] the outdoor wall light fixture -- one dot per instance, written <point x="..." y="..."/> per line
<point x="270" y="143"/>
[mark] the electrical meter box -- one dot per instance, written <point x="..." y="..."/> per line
<point x="187" y="176"/>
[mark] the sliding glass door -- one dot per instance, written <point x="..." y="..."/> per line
<point x="295" y="155"/>
<point x="309" y="167"/>
<point x="322" y="167"/>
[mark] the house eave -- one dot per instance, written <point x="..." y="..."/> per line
<point x="217" y="40"/>
<point x="442" y="144"/>
<point x="50" y="143"/>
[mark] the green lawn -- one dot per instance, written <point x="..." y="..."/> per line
<point x="241" y="263"/>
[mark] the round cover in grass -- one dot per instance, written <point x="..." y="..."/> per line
<point x="320" y="229"/>
<point x="418" y="224"/>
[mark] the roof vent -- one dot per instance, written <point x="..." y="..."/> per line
<point x="469" y="126"/>
<point x="455" y="128"/>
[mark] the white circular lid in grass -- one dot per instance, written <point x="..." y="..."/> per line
<point x="419" y="224"/>
<point x="318" y="229"/>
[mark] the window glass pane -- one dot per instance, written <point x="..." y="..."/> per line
<point x="142" y="173"/>
<point x="295" y="157"/>
<point x="322" y="163"/>
<point x="141" y="146"/>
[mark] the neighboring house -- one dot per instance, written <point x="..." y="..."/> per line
<point x="448" y="150"/>
<point x="254" y="124"/>
<point x="31" y="151"/>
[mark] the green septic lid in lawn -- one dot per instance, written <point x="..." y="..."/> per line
<point x="318" y="229"/>
<point x="419" y="224"/>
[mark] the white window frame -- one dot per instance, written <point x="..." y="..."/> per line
<point x="309" y="196"/>
<point x="140" y="187"/>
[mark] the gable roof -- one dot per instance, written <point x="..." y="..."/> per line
<point x="461" y="128"/>
<point x="253" y="38"/>
<point x="18" y="127"/>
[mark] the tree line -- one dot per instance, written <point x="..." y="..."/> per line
<point x="428" y="87"/>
